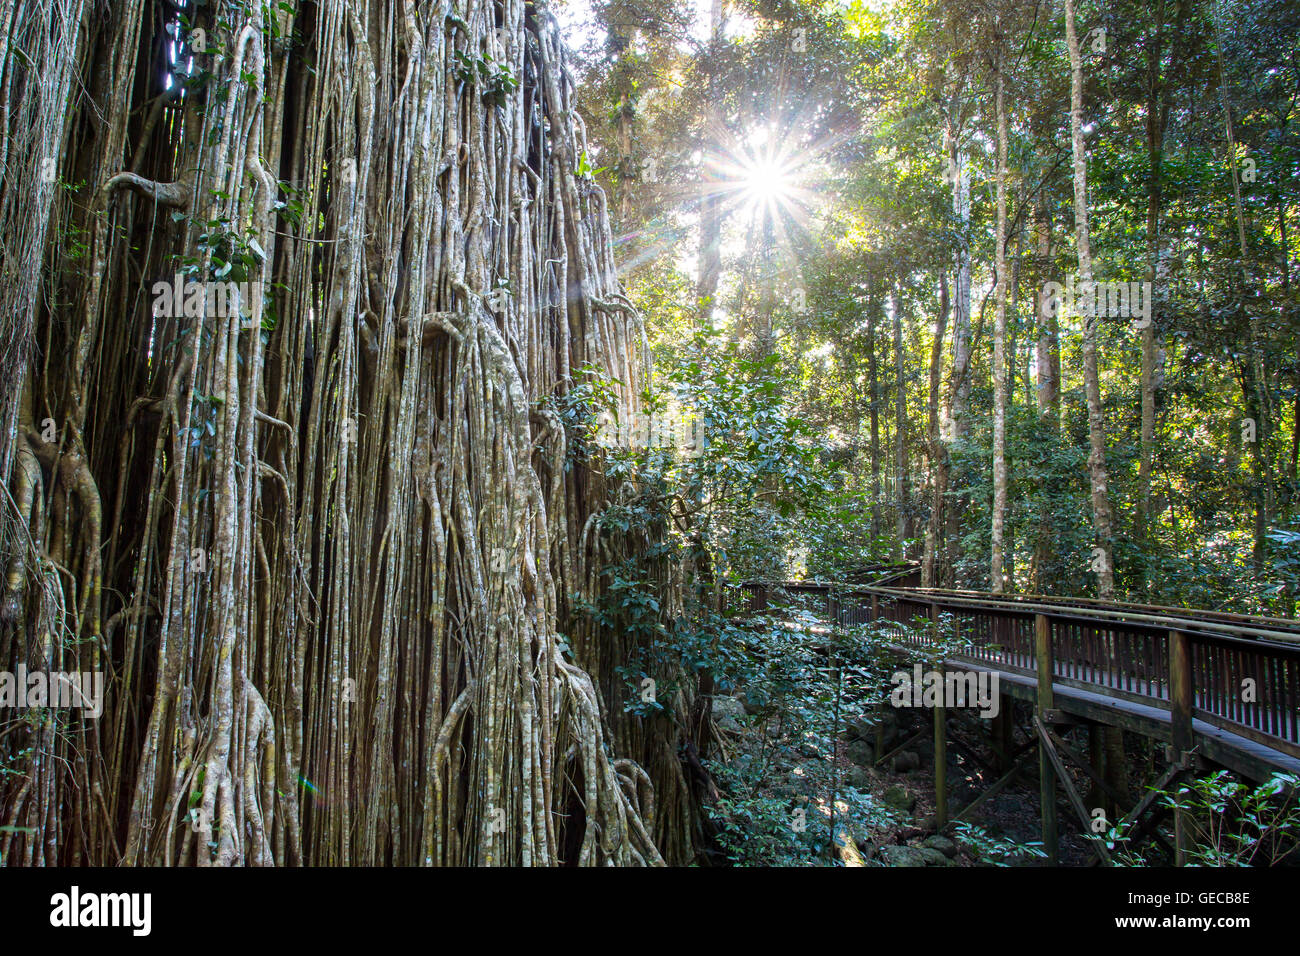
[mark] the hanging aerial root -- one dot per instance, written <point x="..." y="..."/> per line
<point x="335" y="533"/>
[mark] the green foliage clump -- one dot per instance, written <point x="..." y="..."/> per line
<point x="1230" y="823"/>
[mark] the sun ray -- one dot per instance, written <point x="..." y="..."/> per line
<point x="762" y="179"/>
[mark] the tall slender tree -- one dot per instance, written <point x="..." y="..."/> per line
<point x="1103" y="563"/>
<point x="996" y="575"/>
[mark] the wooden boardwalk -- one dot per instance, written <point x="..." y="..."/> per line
<point x="1217" y="687"/>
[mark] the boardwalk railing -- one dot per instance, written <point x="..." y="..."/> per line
<point x="1240" y="673"/>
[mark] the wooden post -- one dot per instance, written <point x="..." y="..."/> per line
<point x="1046" y="772"/>
<point x="940" y="765"/>
<point x="880" y="716"/>
<point x="940" y="742"/>
<point x="995" y="739"/>
<point x="1046" y="745"/>
<point x="1002" y="733"/>
<point x="1097" y="760"/>
<point x="1180" y="692"/>
<point x="1007" y="740"/>
<point x="1180" y="708"/>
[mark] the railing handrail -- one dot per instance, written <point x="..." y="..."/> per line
<point x="1117" y="612"/>
<point x="1284" y="622"/>
<point x="1170" y="634"/>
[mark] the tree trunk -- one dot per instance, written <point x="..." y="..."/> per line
<point x="1048" y="373"/>
<point x="1103" y="555"/>
<point x="960" y="385"/>
<point x="1259" y="405"/>
<point x="1152" y="356"/>
<point x="996" y="579"/>
<point x="902" y="486"/>
<point x="1103" y="560"/>
<point x="706" y="286"/>
<point x="938" y="451"/>
<point x="873" y="390"/>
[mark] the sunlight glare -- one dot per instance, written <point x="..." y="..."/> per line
<point x="765" y="183"/>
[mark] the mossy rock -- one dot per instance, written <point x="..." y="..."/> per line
<point x="900" y="798"/>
